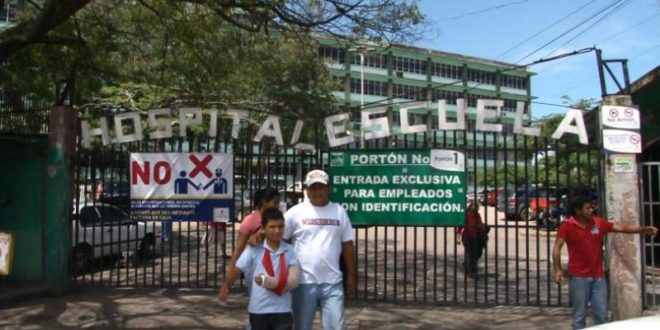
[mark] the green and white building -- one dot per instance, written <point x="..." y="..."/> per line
<point x="396" y="76"/>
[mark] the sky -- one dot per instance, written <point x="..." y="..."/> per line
<point x="510" y="30"/>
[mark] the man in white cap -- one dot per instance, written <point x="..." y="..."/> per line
<point x="320" y="231"/>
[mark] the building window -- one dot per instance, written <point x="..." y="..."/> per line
<point x="447" y="71"/>
<point x="409" y="92"/>
<point x="404" y="64"/>
<point x="510" y="105"/>
<point x="449" y="96"/>
<point x="373" y="60"/>
<point x="7" y="13"/>
<point x="513" y="82"/>
<point x="371" y="87"/>
<point x="471" y="125"/>
<point x="481" y="77"/>
<point x="472" y="101"/>
<point x="336" y="55"/>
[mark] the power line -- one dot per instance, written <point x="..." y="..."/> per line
<point x="545" y="29"/>
<point x="551" y="104"/>
<point x="644" y="52"/>
<point x="619" y="33"/>
<point x="627" y="29"/>
<point x="472" y="13"/>
<point x="598" y="21"/>
<point x="571" y="29"/>
<point x="574" y="87"/>
<point x="592" y="78"/>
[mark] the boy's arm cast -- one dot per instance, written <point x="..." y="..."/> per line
<point x="270" y="282"/>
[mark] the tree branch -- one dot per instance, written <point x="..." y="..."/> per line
<point x="53" y="14"/>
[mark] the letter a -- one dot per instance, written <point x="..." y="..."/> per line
<point x="566" y="127"/>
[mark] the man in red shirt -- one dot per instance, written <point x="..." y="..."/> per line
<point x="583" y="233"/>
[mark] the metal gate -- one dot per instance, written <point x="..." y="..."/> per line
<point x="520" y="180"/>
<point x="650" y="192"/>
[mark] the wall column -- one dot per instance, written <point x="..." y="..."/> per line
<point x="622" y="204"/>
<point x="62" y="129"/>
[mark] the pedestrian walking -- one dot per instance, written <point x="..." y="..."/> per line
<point x="261" y="200"/>
<point x="474" y="237"/>
<point x="321" y="232"/>
<point x="276" y="270"/>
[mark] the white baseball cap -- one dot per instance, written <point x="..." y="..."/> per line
<point x="316" y="176"/>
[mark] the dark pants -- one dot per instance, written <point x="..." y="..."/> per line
<point x="473" y="251"/>
<point x="275" y="321"/>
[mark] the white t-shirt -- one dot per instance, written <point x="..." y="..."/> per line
<point x="317" y="234"/>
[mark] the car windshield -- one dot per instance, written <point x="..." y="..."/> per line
<point x="102" y="215"/>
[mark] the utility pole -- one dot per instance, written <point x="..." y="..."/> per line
<point x="361" y="51"/>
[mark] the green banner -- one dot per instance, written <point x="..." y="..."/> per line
<point x="400" y="187"/>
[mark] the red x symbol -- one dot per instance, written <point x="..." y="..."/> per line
<point x="200" y="166"/>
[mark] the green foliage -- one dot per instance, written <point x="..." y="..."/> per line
<point x="549" y="124"/>
<point x="582" y="104"/>
<point x="571" y="166"/>
<point x="135" y="55"/>
<point x="252" y="54"/>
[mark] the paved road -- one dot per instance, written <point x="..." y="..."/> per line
<point x="420" y="264"/>
<point x="199" y="309"/>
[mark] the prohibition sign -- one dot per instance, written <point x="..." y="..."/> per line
<point x="614" y="112"/>
<point x="634" y="139"/>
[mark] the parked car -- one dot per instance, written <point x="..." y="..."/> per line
<point x="560" y="212"/>
<point x="516" y="203"/>
<point x="101" y="230"/>
<point x="114" y="192"/>
<point x="480" y="193"/>
<point x="492" y="196"/>
<point x="541" y="205"/>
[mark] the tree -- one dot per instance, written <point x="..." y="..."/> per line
<point x="380" y="20"/>
<point x="35" y="23"/>
<point x="582" y="104"/>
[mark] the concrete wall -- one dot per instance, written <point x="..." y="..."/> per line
<point x="22" y="168"/>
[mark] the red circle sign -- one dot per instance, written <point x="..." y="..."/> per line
<point x="614" y="113"/>
<point x="628" y="112"/>
<point x="634" y="139"/>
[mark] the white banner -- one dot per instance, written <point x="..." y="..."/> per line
<point x="617" y="140"/>
<point x="189" y="176"/>
<point x="620" y="117"/>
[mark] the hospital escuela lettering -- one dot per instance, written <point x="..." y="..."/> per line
<point x="160" y="122"/>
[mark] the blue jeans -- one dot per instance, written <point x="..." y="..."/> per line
<point x="584" y="291"/>
<point x="307" y="298"/>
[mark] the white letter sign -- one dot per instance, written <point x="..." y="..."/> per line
<point x="335" y="125"/>
<point x="566" y="127"/>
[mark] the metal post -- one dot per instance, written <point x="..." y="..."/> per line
<point x="626" y="77"/>
<point x="361" y="96"/>
<point x="601" y="74"/>
<point x="361" y="50"/>
<point x="361" y="81"/>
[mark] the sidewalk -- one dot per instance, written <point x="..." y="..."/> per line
<point x="200" y="309"/>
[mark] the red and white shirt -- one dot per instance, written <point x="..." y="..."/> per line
<point x="317" y="233"/>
